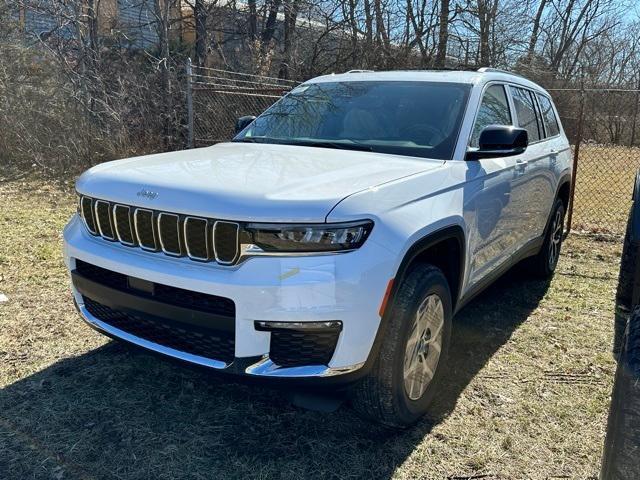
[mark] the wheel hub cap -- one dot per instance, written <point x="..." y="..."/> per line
<point x="556" y="239"/>
<point x="423" y="347"/>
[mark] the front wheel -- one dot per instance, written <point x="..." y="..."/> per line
<point x="404" y="378"/>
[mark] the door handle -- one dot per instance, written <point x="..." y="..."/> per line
<point x="521" y="166"/>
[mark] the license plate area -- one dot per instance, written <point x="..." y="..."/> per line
<point x="141" y="285"/>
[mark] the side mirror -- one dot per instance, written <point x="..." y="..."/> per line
<point x="500" y="141"/>
<point x="243" y="122"/>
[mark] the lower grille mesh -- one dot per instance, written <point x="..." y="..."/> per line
<point x="296" y="348"/>
<point x="164" y="293"/>
<point x="213" y="345"/>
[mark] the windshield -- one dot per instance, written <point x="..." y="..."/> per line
<point x="419" y="119"/>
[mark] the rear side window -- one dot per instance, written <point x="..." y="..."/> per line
<point x="494" y="110"/>
<point x="548" y="116"/>
<point x="526" y="111"/>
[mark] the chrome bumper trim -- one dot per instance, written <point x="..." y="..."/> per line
<point x="170" y="352"/>
<point x="263" y="368"/>
<point x="266" y="368"/>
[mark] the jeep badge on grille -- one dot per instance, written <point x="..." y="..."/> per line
<point x="147" y="194"/>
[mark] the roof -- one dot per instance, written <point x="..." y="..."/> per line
<point x="449" y="76"/>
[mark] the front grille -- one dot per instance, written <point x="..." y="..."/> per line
<point x="209" y="344"/>
<point x="164" y="293"/>
<point x="292" y="348"/>
<point x="201" y="239"/>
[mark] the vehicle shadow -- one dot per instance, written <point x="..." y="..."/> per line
<point x="116" y="412"/>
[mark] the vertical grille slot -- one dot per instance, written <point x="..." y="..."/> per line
<point x="103" y="219"/>
<point x="169" y="233"/>
<point x="225" y="242"/>
<point x="143" y="223"/>
<point x="86" y="210"/>
<point x="196" y="239"/>
<point x="122" y="223"/>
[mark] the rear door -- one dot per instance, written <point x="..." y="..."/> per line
<point x="556" y="146"/>
<point x="533" y="179"/>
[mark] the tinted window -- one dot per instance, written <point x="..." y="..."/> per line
<point x="494" y="110"/>
<point x="405" y="118"/>
<point x="548" y="116"/>
<point x="526" y="111"/>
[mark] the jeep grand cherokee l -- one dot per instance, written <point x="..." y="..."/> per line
<point x="333" y="239"/>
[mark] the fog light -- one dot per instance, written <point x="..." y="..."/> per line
<point x="330" y="325"/>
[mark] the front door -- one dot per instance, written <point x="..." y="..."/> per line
<point x="489" y="195"/>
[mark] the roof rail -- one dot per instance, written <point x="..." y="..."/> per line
<point x="456" y="68"/>
<point x="498" y="70"/>
<point x="359" y="71"/>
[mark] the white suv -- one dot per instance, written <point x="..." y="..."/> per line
<point x="333" y="239"/>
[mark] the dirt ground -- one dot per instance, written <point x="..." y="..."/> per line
<point x="526" y="395"/>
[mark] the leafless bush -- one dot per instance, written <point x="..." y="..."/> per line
<point x="57" y="120"/>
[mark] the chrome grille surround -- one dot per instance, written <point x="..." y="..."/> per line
<point x="86" y="208"/>
<point x="97" y="204"/>
<point x="178" y="251"/>
<point x="216" y="252"/>
<point x="152" y="231"/>
<point x="129" y="225"/>
<point x="136" y="227"/>
<point x="206" y="238"/>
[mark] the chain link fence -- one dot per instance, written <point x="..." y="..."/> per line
<point x="601" y="123"/>
<point x="216" y="98"/>
<point x="602" y="126"/>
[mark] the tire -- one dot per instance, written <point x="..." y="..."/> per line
<point x="544" y="264"/>
<point x="383" y="395"/>
<point x="621" y="458"/>
<point x="626" y="284"/>
<point x="628" y="267"/>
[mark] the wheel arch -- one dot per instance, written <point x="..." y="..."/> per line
<point x="446" y="249"/>
<point x="425" y="249"/>
<point x="563" y="192"/>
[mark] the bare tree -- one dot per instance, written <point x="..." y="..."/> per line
<point x="443" y="33"/>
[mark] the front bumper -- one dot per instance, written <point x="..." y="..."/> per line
<point x="347" y="287"/>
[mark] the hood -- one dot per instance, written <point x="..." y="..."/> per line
<point x="247" y="182"/>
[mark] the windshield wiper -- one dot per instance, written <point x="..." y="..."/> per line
<point x="338" y="145"/>
<point x="307" y="143"/>
<point x="253" y="140"/>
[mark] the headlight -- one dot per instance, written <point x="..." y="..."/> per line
<point x="309" y="238"/>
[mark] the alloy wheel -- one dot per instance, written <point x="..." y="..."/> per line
<point x="423" y="348"/>
<point x="556" y="239"/>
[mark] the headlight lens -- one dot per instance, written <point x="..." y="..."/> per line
<point x="309" y="238"/>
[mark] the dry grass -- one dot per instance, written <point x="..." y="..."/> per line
<point x="604" y="187"/>
<point x="526" y="396"/>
